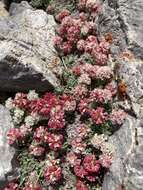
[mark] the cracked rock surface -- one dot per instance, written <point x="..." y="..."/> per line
<point x="28" y="59"/>
<point x="123" y="18"/>
<point x="127" y="168"/>
<point x="8" y="165"/>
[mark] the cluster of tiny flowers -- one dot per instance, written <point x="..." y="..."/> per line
<point x="101" y="95"/>
<point x="92" y="72"/>
<point x="58" y="130"/>
<point x="32" y="95"/>
<point x="31" y="120"/>
<point x="52" y="171"/>
<point x="71" y="36"/>
<point x="18" y="116"/>
<point x="9" y="104"/>
<point x="72" y="32"/>
<point x="99" y="116"/>
<point x="14" y="135"/>
<point x="98" y="50"/>
<point x="87" y="168"/>
<point x="101" y="143"/>
<point x="21" y="100"/>
<point x="89" y="6"/>
<point x="32" y="187"/>
<point x="53" y="174"/>
<point x="117" y="117"/>
<point x="12" y="186"/>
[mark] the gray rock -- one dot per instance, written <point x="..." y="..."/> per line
<point x="16" y="8"/>
<point x="127" y="167"/>
<point x="8" y="169"/>
<point x="124" y="20"/>
<point x="28" y="59"/>
<point x="132" y="73"/>
<point x="3" y="11"/>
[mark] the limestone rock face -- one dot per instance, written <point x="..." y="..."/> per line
<point x="28" y="59"/>
<point x="127" y="168"/>
<point x="3" y="11"/>
<point x="8" y="169"/>
<point x="123" y="19"/>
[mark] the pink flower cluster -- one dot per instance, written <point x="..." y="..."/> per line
<point x="99" y="116"/>
<point x="117" y="117"/>
<point x="62" y="15"/>
<point x="70" y="31"/>
<point x="70" y="34"/>
<point x="80" y="133"/>
<point x="36" y="150"/>
<point x="13" y="135"/>
<point x="79" y="92"/>
<point x="32" y="187"/>
<point x="80" y="185"/>
<point x="56" y="120"/>
<point x="91" y="72"/>
<point x="52" y="174"/>
<point x="98" y="50"/>
<point x="43" y="106"/>
<point x="101" y="95"/>
<point x="42" y="136"/>
<point x="88" y="168"/>
<point x="90" y="6"/>
<point x="12" y="186"/>
<point x="21" y="100"/>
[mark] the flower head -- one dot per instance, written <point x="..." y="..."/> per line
<point x="62" y="15"/>
<point x="12" y="186"/>
<point x="98" y="116"/>
<point x="32" y="95"/>
<point x="104" y="73"/>
<point x="82" y="131"/>
<point x="52" y="174"/>
<point x="36" y="150"/>
<point x="78" y="146"/>
<point x="72" y="158"/>
<point x="9" y="103"/>
<point x="21" y="100"/>
<point x="101" y="96"/>
<point x="106" y="160"/>
<point x="13" y="135"/>
<point x="91" y="164"/>
<point x="80" y="171"/>
<point x="81" y="186"/>
<point x="56" y="120"/>
<point x="55" y="141"/>
<point x="117" y="117"/>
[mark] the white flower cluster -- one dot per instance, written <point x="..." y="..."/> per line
<point x="18" y="115"/>
<point x="31" y="120"/>
<point x="9" y="104"/>
<point x="91" y="3"/>
<point x="101" y="142"/>
<point x="32" y="95"/>
<point x="98" y="140"/>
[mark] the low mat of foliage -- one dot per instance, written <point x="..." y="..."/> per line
<point x="62" y="137"/>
